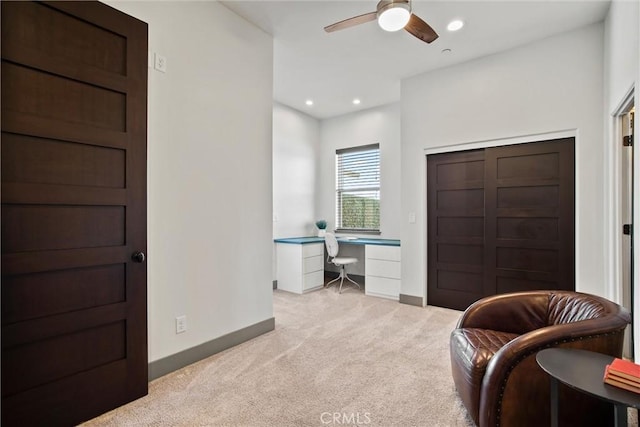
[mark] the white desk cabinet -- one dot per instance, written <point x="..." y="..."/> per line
<point x="382" y="271"/>
<point x="300" y="266"/>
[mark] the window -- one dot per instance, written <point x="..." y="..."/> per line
<point x="358" y="189"/>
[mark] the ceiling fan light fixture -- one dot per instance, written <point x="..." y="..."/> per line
<point x="394" y="17"/>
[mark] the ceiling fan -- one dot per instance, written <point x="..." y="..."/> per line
<point x="392" y="15"/>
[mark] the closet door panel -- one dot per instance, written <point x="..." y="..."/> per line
<point x="529" y="216"/>
<point x="456" y="228"/>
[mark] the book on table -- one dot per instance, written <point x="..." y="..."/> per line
<point x="623" y="374"/>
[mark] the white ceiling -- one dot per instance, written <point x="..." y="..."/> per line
<point x="368" y="63"/>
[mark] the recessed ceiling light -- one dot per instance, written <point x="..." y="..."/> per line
<point x="455" y="25"/>
<point x="309" y="102"/>
<point x="356" y="101"/>
<point x="445" y="51"/>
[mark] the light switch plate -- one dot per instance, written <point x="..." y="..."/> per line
<point x="160" y="63"/>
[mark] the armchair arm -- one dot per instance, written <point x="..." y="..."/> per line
<point x="516" y="313"/>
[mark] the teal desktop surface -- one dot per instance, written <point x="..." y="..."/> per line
<point x="300" y="240"/>
<point x="348" y="241"/>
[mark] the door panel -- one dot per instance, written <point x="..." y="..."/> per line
<point x="28" y="228"/>
<point x="28" y="296"/>
<point x="74" y="332"/>
<point x="61" y="356"/>
<point x="528" y="228"/>
<point x="47" y="161"/>
<point x="532" y="208"/>
<point x="67" y="37"/>
<point x="455" y="228"/>
<point x="500" y="220"/>
<point x="24" y="85"/>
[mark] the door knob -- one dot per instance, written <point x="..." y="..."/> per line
<point x="138" y="257"/>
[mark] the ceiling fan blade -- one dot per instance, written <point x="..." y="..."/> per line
<point x="421" y="29"/>
<point x="356" y="20"/>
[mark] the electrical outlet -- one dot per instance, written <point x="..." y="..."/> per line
<point x="181" y="324"/>
<point x="160" y="63"/>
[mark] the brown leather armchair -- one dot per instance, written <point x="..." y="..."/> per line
<point x="494" y="346"/>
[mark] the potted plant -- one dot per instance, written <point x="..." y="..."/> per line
<point x="322" y="227"/>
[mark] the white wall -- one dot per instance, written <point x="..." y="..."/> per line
<point x="621" y="51"/>
<point x="296" y="144"/>
<point x="621" y="76"/>
<point x="552" y="85"/>
<point x="209" y="173"/>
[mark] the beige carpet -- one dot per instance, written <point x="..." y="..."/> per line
<point x="333" y="359"/>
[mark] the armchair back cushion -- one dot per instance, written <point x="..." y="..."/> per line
<point x="493" y="351"/>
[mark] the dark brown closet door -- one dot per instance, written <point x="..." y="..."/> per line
<point x="456" y="234"/>
<point x="506" y="228"/>
<point x="74" y="328"/>
<point x="529" y="199"/>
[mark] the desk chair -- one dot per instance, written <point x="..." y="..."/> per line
<point x="332" y="251"/>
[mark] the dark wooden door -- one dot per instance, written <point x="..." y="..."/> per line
<point x="74" y="328"/>
<point x="529" y="214"/>
<point x="507" y="228"/>
<point x="456" y="228"/>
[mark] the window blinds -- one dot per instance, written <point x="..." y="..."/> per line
<point x="358" y="188"/>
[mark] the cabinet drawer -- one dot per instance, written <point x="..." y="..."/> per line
<point x="382" y="287"/>
<point x="312" y="280"/>
<point x="380" y="268"/>
<point x="389" y="253"/>
<point x="312" y="264"/>
<point x="312" y="249"/>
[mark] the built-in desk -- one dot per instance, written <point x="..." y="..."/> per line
<point x="300" y="264"/>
